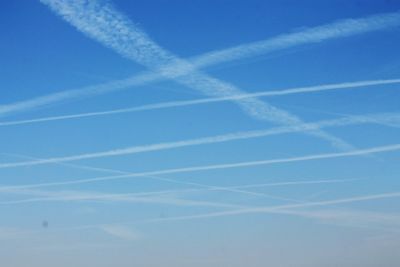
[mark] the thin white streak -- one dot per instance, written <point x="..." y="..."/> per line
<point x="360" y="219"/>
<point x="393" y="122"/>
<point x="201" y="187"/>
<point x="209" y="140"/>
<point x="64" y="196"/>
<point x="11" y="189"/>
<point x="281" y="208"/>
<point x="338" y="29"/>
<point x="120" y="231"/>
<point x="83" y="92"/>
<point x="379" y="149"/>
<point x="174" y="104"/>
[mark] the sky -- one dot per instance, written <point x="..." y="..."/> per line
<point x="199" y="133"/>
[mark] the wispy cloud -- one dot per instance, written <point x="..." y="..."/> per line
<point x="12" y="233"/>
<point x="120" y="231"/>
<point x="342" y="217"/>
<point x="358" y="152"/>
<point x="373" y="118"/>
<point x="346" y="217"/>
<point x="285" y="209"/>
<point x="338" y="29"/>
<point x="174" y="104"/>
<point x="240" y="189"/>
<point x="199" y="186"/>
<point x="68" y="196"/>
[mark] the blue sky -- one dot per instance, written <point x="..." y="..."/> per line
<point x="192" y="133"/>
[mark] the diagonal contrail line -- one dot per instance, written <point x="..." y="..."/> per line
<point x="174" y="104"/>
<point x="373" y="118"/>
<point x="358" y="152"/>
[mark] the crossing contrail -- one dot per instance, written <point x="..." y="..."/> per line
<point x="240" y="189"/>
<point x="106" y="25"/>
<point x="175" y="104"/>
<point x="338" y="29"/>
<point x="373" y="118"/>
<point x="358" y="152"/>
<point x="43" y="196"/>
<point x="282" y="208"/>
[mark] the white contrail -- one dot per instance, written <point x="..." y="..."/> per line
<point x="211" y="140"/>
<point x="338" y="29"/>
<point x="361" y="219"/>
<point x="200" y="187"/>
<point x="19" y="188"/>
<point x="358" y="152"/>
<point x="174" y="104"/>
<point x="282" y="208"/>
<point x="138" y="198"/>
<point x="97" y="196"/>
<point x="120" y="232"/>
<point x="106" y="25"/>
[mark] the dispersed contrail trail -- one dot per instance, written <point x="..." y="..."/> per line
<point x="338" y="29"/>
<point x="282" y="208"/>
<point x="174" y="104"/>
<point x="18" y="188"/>
<point x="291" y="209"/>
<point x="358" y="152"/>
<point x="44" y="196"/>
<point x="150" y="197"/>
<point x="373" y="118"/>
<point x="200" y="187"/>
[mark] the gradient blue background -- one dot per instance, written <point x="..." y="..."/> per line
<point x="42" y="54"/>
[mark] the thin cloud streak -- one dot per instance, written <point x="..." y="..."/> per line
<point x="379" y="149"/>
<point x="200" y="187"/>
<point x="212" y="139"/>
<point x="282" y="208"/>
<point x="362" y="219"/>
<point x="175" y="104"/>
<point x="169" y="180"/>
<point x="207" y="188"/>
<point x="338" y="29"/>
<point x="120" y="232"/>
<point x="66" y="196"/>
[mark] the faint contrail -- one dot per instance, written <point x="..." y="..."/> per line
<point x="338" y="29"/>
<point x="379" y="149"/>
<point x="22" y="189"/>
<point x="44" y="196"/>
<point x="174" y="104"/>
<point x="281" y="208"/>
<point x="211" y="140"/>
<point x="200" y="187"/>
<point x="355" y="218"/>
